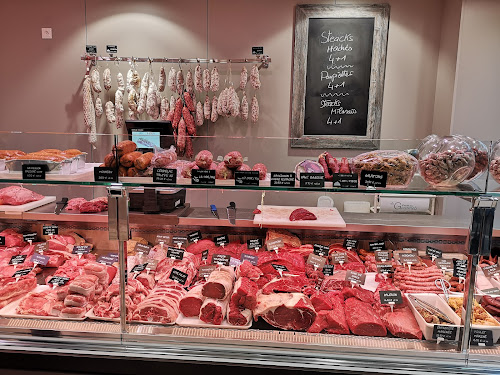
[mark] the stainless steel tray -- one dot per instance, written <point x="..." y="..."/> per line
<point x="62" y="167"/>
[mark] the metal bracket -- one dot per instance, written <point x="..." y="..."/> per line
<point x="118" y="213"/>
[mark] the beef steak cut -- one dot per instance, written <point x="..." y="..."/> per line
<point x="289" y="311"/>
<point x="302" y="214"/>
<point x="362" y="319"/>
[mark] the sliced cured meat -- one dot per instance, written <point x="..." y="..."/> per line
<point x="245" y="293"/>
<point x="302" y="214"/>
<point x="219" y="284"/>
<point x="213" y="311"/>
<point x="190" y="304"/>
<point x="288" y="311"/>
<point x="362" y="319"/>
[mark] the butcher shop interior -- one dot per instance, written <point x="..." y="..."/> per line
<point x="250" y="185"/>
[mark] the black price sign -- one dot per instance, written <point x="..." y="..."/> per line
<point x="283" y="179"/>
<point x="255" y="244"/>
<point x="175" y="253"/>
<point x="374" y="179"/>
<point x="204" y="255"/>
<point x="444" y="332"/>
<point x="105" y="174"/>
<point x="349" y="243"/>
<point x="460" y="268"/>
<point x="481" y="337"/>
<point x="321" y="250"/>
<point x="384" y="268"/>
<point x="345" y="180"/>
<point x="390" y="297"/>
<point x="203" y="177"/>
<point x="141" y="248"/>
<point x="179" y="276"/>
<point x="355" y="277"/>
<point x="81" y="249"/>
<point x="221" y="240"/>
<point x="316" y="261"/>
<point x="383" y="255"/>
<point x="91" y="49"/>
<point x="139" y="268"/>
<point x="17" y="259"/>
<point x="339" y="258"/>
<point x="312" y="180"/>
<point x="50" y="230"/>
<point x="221" y="259"/>
<point x="165" y="175"/>
<point x="30" y="237"/>
<point x="58" y="280"/>
<point x="246" y="178"/>
<point x="280" y="268"/>
<point x="328" y="269"/>
<point x="257" y="50"/>
<point x="194" y="236"/>
<point x="22" y="273"/>
<point x="2" y="241"/>
<point x="433" y="253"/>
<point x="34" y="171"/>
<point x="377" y="245"/>
<point x="253" y="259"/>
<point x="111" y="48"/>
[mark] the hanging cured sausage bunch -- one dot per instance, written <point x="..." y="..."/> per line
<point x="143" y="99"/>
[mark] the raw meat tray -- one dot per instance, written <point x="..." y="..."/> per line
<point x="195" y="322"/>
<point x="9" y="311"/>
<point x="8" y="209"/>
<point x="90" y="315"/>
<point x="327" y="217"/>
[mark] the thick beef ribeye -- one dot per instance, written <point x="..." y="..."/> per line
<point x="362" y="319"/>
<point x="302" y="214"/>
<point x="16" y="196"/>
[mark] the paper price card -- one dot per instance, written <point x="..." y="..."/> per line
<point x="321" y="250"/>
<point x="141" y="248"/>
<point x="221" y="259"/>
<point x="316" y="261"/>
<point x="175" y="253"/>
<point x="355" y="277"/>
<point x="205" y="271"/>
<point x="273" y="245"/>
<point x="339" y="258"/>
<point x="383" y="255"/>
<point x="253" y="259"/>
<point x="491" y="271"/>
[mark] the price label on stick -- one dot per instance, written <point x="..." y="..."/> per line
<point x="204" y="255"/>
<point x="390" y="297"/>
<point x="179" y="276"/>
<point x="321" y="250"/>
<point x="2" y="241"/>
<point x="255" y="244"/>
<point x="106" y="259"/>
<point x="21" y="273"/>
<point x="383" y="255"/>
<point x="80" y="250"/>
<point x="444" y="264"/>
<point x="460" y="268"/>
<point x="162" y="238"/>
<point x="205" y="271"/>
<point x="194" y="236"/>
<point x="385" y="268"/>
<point x="491" y="271"/>
<point x="280" y="268"/>
<point x="50" y="230"/>
<point x="175" y="253"/>
<point x="377" y="245"/>
<point x="253" y="259"/>
<point x="139" y="268"/>
<point x="444" y="332"/>
<point x="275" y="244"/>
<point x="58" y="281"/>
<point x="17" y="259"/>
<point x="40" y="259"/>
<point x="339" y="258"/>
<point x="180" y="240"/>
<point x="409" y="258"/>
<point x="350" y="243"/>
<point x="355" y="277"/>
<point x="41" y="247"/>
<point x="30" y="237"/>
<point x="221" y="259"/>
<point x="165" y="175"/>
<point x="481" y="337"/>
<point x="328" y="269"/>
<point x="316" y="261"/>
<point x="433" y="253"/>
<point x="221" y="240"/>
<point x="140" y="248"/>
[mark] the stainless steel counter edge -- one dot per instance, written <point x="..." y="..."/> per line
<point x="245" y="356"/>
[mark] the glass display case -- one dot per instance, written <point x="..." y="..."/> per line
<point x="292" y="263"/>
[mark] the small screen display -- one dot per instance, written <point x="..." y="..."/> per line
<point x="146" y="139"/>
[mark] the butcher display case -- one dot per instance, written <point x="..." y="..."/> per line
<point x="291" y="264"/>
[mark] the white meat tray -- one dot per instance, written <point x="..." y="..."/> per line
<point x="494" y="329"/>
<point x="436" y="301"/>
<point x="196" y="322"/>
<point x="327" y="217"/>
<point x="90" y="315"/>
<point x="84" y="174"/>
<point x="8" y="209"/>
<point x="9" y="311"/>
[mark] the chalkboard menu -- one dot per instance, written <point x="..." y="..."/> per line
<point x="339" y="67"/>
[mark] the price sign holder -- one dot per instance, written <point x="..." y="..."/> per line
<point x="253" y="259"/>
<point x="283" y="179"/>
<point x="175" y="253"/>
<point x="179" y="276"/>
<point x="221" y="259"/>
<point x="350" y="243"/>
<point x="165" y="175"/>
<point x="312" y="180"/>
<point x="321" y="250"/>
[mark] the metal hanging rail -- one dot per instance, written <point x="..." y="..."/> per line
<point x="264" y="60"/>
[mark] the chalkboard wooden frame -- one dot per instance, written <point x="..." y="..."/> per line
<point x="370" y="141"/>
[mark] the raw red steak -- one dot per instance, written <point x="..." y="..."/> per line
<point x="190" y="304"/>
<point x="302" y="214"/>
<point x="238" y="316"/>
<point x="287" y="284"/>
<point x="213" y="311"/>
<point x="245" y="293"/>
<point x="16" y="196"/>
<point x="362" y="319"/>
<point x="289" y="311"/>
<point x="359" y="293"/>
<point x="402" y="323"/>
